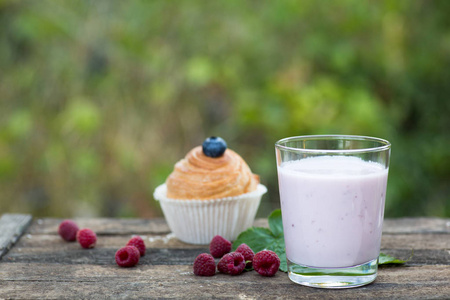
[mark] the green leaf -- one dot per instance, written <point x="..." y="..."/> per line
<point x="276" y="223"/>
<point x="386" y="259"/>
<point x="257" y="238"/>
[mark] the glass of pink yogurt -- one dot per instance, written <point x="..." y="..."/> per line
<point x="332" y="194"/>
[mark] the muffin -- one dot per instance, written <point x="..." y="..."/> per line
<point x="211" y="191"/>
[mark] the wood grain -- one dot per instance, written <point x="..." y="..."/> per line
<point x="161" y="281"/>
<point x="12" y="227"/>
<point x="42" y="265"/>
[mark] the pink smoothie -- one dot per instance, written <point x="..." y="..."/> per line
<point x="332" y="209"/>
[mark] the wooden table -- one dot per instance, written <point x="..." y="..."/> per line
<point x="41" y="265"/>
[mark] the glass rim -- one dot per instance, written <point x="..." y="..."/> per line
<point x="384" y="144"/>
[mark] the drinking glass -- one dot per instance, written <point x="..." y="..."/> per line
<point x="332" y="194"/>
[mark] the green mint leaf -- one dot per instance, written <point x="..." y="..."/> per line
<point x="276" y="223"/>
<point x="385" y="259"/>
<point x="280" y="250"/>
<point x="257" y="238"/>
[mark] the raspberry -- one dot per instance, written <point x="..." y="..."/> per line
<point x="219" y="246"/>
<point x="87" y="238"/>
<point x="266" y="263"/>
<point x="248" y="254"/>
<point x="127" y="256"/>
<point x="232" y="263"/>
<point x="68" y="230"/>
<point x="138" y="242"/>
<point x="204" y="265"/>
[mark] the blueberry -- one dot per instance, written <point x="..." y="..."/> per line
<point x="214" y="146"/>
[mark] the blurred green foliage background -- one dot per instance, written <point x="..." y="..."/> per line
<point x="99" y="99"/>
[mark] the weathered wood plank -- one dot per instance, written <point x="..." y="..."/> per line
<point x="433" y="241"/>
<point x="416" y="225"/>
<point x="159" y="226"/>
<point x="105" y="226"/>
<point x="145" y="281"/>
<point x="12" y="227"/>
<point x="416" y="241"/>
<point x="164" y="256"/>
<point x="72" y="253"/>
<point x="49" y="242"/>
<point x="103" y="256"/>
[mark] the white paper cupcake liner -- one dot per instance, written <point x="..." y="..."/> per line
<point x="198" y="221"/>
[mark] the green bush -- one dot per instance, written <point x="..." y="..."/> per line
<point x="99" y="99"/>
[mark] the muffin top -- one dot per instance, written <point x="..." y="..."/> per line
<point x="202" y="177"/>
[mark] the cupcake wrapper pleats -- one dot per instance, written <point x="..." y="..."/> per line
<point x="198" y="221"/>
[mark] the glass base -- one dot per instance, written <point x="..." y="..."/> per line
<point x="333" y="278"/>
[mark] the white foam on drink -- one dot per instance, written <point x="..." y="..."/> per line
<point x="333" y="166"/>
